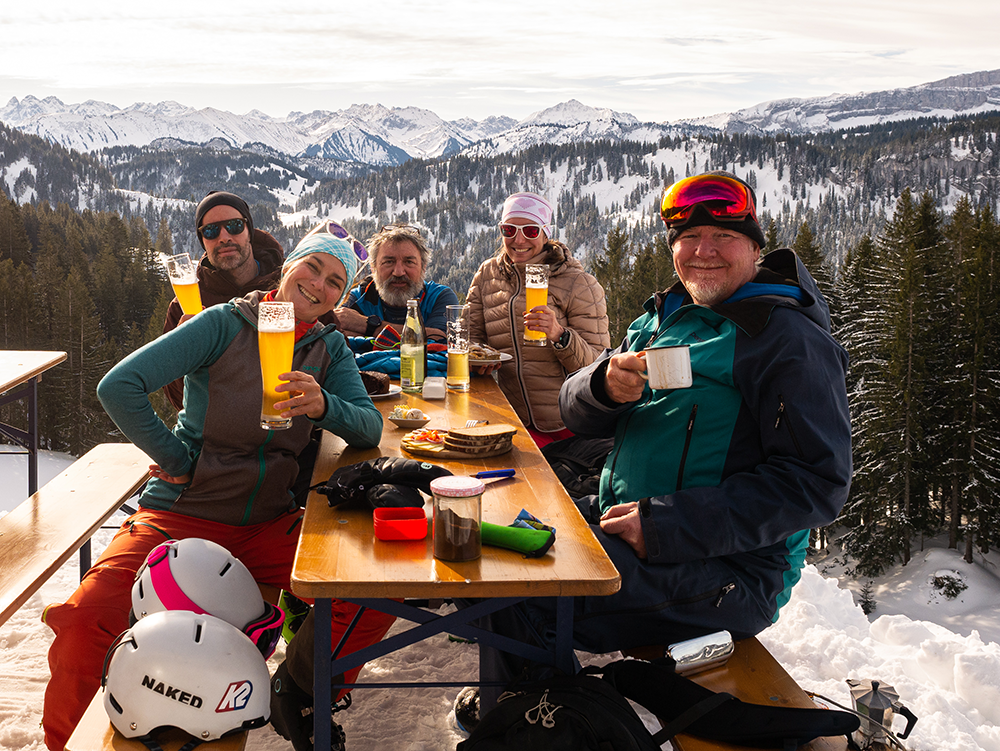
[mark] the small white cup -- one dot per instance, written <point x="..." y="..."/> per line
<point x="668" y="367"/>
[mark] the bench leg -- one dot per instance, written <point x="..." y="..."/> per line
<point x="84" y="559"/>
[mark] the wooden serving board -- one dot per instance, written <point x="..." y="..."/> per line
<point x="444" y="453"/>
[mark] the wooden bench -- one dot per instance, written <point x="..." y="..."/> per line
<point x="754" y="676"/>
<point x="43" y="532"/>
<point x="96" y="733"/>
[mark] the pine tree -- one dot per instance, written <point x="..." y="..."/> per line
<point x="614" y="271"/>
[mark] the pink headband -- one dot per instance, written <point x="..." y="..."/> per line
<point x="529" y="206"/>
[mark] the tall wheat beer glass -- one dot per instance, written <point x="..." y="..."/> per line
<point x="458" y="347"/>
<point x="183" y="276"/>
<point x="536" y="278"/>
<point x="276" y="340"/>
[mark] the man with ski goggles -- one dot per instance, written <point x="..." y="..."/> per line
<point x="709" y="492"/>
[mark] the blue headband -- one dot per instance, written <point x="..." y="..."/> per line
<point x="340" y="249"/>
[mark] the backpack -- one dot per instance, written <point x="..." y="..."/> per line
<point x="587" y="713"/>
<point x="578" y="462"/>
<point x="574" y="713"/>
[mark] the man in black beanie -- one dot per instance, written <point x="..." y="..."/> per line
<point x="238" y="259"/>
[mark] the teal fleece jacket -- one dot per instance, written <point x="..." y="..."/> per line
<point x="241" y="474"/>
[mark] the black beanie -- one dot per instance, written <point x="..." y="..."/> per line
<point x="221" y="198"/>
<point x="700" y="217"/>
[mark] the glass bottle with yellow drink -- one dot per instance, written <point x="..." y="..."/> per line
<point x="412" y="350"/>
<point x="536" y="279"/>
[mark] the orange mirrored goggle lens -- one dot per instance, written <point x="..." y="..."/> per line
<point x="723" y="197"/>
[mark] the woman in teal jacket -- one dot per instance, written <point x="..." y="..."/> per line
<point x="218" y="475"/>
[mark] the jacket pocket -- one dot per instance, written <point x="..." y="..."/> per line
<point x="783" y="419"/>
<point x="687" y="446"/>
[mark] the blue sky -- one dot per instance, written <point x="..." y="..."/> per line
<point x="660" y="61"/>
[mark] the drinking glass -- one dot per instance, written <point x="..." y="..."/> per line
<point x="536" y="277"/>
<point x="183" y="276"/>
<point x="276" y="339"/>
<point x="458" y="347"/>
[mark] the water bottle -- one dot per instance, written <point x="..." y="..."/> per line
<point x="412" y="350"/>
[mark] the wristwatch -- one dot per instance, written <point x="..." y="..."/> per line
<point x="373" y="323"/>
<point x="563" y="341"/>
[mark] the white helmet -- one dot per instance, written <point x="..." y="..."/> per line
<point x="203" y="577"/>
<point x="185" y="670"/>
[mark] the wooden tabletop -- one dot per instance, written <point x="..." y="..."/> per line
<point x="338" y="555"/>
<point x="18" y="366"/>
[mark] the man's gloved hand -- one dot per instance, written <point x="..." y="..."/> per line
<point x="292" y="713"/>
<point x="352" y="483"/>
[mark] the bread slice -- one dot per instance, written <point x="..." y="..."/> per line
<point x="481" y="434"/>
<point x="483" y="449"/>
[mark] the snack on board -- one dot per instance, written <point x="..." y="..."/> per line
<point x="484" y="439"/>
<point x="375" y="382"/>
<point x="483" y="353"/>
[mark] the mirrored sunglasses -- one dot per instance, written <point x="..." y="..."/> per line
<point x="723" y="197"/>
<point x="530" y="231"/>
<point x="337" y="230"/>
<point x="212" y="230"/>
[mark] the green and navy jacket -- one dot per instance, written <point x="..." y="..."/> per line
<point x="755" y="453"/>
<point x="241" y="474"/>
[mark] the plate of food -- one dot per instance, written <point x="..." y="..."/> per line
<point x="378" y="384"/>
<point x="482" y="354"/>
<point x="408" y="417"/>
<point x="394" y="390"/>
<point x="458" y="443"/>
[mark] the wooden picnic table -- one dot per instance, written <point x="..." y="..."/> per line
<point x="20" y="372"/>
<point x="339" y="557"/>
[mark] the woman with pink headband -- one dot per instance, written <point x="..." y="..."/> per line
<point x="574" y="320"/>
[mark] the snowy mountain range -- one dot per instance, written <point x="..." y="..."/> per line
<point x="372" y="134"/>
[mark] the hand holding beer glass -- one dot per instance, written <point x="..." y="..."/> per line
<point x="536" y="278"/>
<point x="458" y="347"/>
<point x="276" y="340"/>
<point x="183" y="276"/>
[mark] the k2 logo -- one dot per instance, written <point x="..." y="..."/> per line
<point x="236" y="696"/>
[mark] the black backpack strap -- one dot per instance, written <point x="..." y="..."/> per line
<point x="688" y="716"/>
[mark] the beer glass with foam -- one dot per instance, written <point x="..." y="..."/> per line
<point x="276" y="340"/>
<point x="458" y="347"/>
<point x="183" y="276"/>
<point x="536" y="278"/>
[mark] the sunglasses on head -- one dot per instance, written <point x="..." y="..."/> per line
<point x="723" y="197"/>
<point x="410" y="228"/>
<point x="332" y="228"/>
<point x="212" y="230"/>
<point x="530" y="231"/>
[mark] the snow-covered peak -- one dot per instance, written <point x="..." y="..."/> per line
<point x="574" y="112"/>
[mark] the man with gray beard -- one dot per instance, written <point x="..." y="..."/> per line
<point x="399" y="256"/>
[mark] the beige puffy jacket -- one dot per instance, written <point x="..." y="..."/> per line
<point x="531" y="381"/>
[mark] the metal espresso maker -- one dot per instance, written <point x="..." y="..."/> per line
<point x="877" y="704"/>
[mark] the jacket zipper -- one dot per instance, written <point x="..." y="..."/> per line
<point x="687" y="446"/>
<point x="516" y="346"/>
<point x="782" y="417"/>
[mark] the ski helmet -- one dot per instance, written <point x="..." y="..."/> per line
<point x="185" y="670"/>
<point x="203" y="577"/>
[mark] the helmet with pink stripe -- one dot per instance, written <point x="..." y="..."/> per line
<point x="203" y="577"/>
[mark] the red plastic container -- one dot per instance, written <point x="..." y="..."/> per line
<point x="400" y="523"/>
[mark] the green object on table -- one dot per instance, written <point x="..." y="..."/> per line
<point x="532" y="542"/>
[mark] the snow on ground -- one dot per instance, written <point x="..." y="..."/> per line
<point x="941" y="655"/>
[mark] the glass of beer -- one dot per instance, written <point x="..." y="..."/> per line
<point x="458" y="347"/>
<point x="183" y="276"/>
<point x="536" y="278"/>
<point x="276" y="340"/>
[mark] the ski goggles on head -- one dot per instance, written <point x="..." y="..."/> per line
<point x="332" y="228"/>
<point x="723" y="197"/>
<point x="530" y="231"/>
<point x="212" y="230"/>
